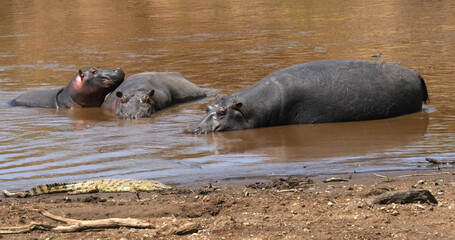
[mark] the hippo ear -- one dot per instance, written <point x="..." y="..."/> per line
<point x="148" y="96"/>
<point x="236" y="106"/>
<point x="121" y="96"/>
<point x="79" y="78"/>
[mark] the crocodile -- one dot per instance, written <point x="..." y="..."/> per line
<point x="92" y="186"/>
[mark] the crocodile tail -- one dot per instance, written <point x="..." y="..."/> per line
<point x="424" y="90"/>
<point x="49" y="188"/>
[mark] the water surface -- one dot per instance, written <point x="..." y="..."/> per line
<point x="222" y="46"/>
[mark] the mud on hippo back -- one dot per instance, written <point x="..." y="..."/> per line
<point x="142" y="94"/>
<point x="319" y="92"/>
<point x="87" y="88"/>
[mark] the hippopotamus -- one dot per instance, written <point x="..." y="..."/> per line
<point x="87" y="88"/>
<point x="142" y="94"/>
<point x="318" y="92"/>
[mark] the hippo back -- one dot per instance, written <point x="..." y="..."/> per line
<point x="40" y="98"/>
<point x="336" y="91"/>
<point x="180" y="89"/>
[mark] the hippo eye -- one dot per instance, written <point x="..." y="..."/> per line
<point x="145" y="99"/>
<point x="93" y="71"/>
<point x="221" y="112"/>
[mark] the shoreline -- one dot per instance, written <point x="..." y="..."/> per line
<point x="292" y="207"/>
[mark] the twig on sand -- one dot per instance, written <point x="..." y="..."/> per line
<point x="334" y="179"/>
<point x="26" y="228"/>
<point x="77" y="225"/>
<point x="287" y="190"/>
<point x="434" y="161"/>
<point x="423" y="174"/>
<point x="411" y="175"/>
<point x="381" y="176"/>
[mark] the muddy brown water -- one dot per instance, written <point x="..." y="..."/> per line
<point x="222" y="46"/>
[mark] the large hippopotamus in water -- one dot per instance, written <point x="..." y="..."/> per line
<point x="142" y="94"/>
<point x="87" y="88"/>
<point x="318" y="92"/>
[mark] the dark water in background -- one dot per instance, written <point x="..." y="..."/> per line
<point x="222" y="46"/>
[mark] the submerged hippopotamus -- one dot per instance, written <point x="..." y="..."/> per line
<point x="87" y="88"/>
<point x="319" y="92"/>
<point x="143" y="94"/>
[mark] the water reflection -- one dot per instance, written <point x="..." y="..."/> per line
<point x="309" y="142"/>
<point x="87" y="114"/>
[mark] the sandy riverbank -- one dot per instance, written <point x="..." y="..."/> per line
<point x="286" y="208"/>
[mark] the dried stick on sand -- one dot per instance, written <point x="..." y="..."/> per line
<point x="434" y="161"/>
<point x="77" y="225"/>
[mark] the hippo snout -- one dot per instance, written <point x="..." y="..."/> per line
<point x="197" y="129"/>
<point x="134" y="113"/>
<point x="118" y="75"/>
<point x="193" y="129"/>
<point x="204" y="126"/>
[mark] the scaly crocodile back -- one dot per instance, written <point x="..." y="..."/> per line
<point x="90" y="186"/>
<point x="118" y="185"/>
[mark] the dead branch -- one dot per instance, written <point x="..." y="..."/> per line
<point x="24" y="229"/>
<point x="434" y="161"/>
<point x="16" y="194"/>
<point x="77" y="225"/>
<point x="287" y="190"/>
<point x="381" y="176"/>
<point x="334" y="179"/>
<point x="424" y="174"/>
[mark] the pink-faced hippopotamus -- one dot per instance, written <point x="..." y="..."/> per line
<point x="142" y="94"/>
<point x="87" y="88"/>
<point x="318" y="92"/>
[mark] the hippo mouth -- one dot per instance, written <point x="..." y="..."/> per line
<point x="107" y="81"/>
<point x="198" y="130"/>
<point x="217" y="128"/>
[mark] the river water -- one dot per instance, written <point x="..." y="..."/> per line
<point x="222" y="46"/>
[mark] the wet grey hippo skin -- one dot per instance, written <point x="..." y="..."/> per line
<point x="318" y="92"/>
<point x="143" y="94"/>
<point x="87" y="88"/>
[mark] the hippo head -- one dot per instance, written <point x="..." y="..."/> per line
<point x="136" y="104"/>
<point x="223" y="115"/>
<point x="89" y="87"/>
